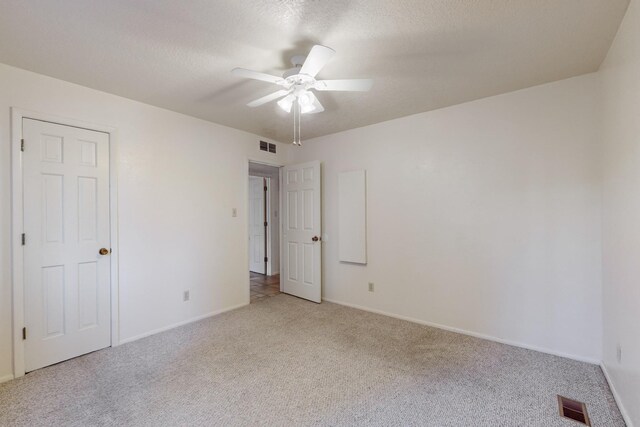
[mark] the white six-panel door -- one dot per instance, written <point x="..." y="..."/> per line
<point x="301" y="231"/>
<point x="256" y="225"/>
<point x="66" y="223"/>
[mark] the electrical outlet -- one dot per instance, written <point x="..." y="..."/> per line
<point x="370" y="286"/>
<point x="619" y="353"/>
<point x="185" y="296"/>
<point x="234" y="212"/>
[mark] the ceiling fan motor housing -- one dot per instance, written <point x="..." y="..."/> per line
<point x="291" y="72"/>
<point x="298" y="60"/>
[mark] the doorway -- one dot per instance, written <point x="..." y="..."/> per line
<point x="264" y="231"/>
<point x="293" y="235"/>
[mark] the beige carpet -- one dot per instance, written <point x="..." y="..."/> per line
<point x="284" y="361"/>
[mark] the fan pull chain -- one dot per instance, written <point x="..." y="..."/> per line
<point x="299" y="125"/>
<point x="296" y="123"/>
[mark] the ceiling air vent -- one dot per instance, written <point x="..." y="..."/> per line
<point x="267" y="146"/>
<point x="573" y="410"/>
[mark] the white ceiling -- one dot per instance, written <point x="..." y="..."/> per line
<point x="422" y="54"/>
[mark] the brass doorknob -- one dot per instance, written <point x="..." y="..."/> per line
<point x="315" y="238"/>
<point x="103" y="251"/>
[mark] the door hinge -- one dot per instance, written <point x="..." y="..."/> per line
<point x="24" y="239"/>
<point x="265" y="189"/>
<point x="266" y="259"/>
<point x="266" y="224"/>
<point x="22" y="144"/>
<point x="24" y="333"/>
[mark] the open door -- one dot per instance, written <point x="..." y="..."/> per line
<point x="301" y="231"/>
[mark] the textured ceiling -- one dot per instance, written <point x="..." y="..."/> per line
<point x="422" y="54"/>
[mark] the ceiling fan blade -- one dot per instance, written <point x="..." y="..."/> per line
<point x="317" y="58"/>
<point x="351" y="85"/>
<point x="270" y="97"/>
<point x="317" y="107"/>
<point x="249" y="74"/>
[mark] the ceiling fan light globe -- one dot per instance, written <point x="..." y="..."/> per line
<point x="305" y="99"/>
<point x="286" y="103"/>
<point x="309" y="108"/>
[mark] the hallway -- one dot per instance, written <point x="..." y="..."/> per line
<point x="264" y="286"/>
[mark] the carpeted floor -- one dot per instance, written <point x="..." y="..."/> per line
<point x="285" y="361"/>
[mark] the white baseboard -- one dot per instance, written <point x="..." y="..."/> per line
<point x="470" y="333"/>
<point x="616" y="396"/>
<point x="182" y="323"/>
<point x="6" y="378"/>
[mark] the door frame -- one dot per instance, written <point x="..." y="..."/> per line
<point x="17" y="225"/>
<point x="267" y="229"/>
<point x="266" y="209"/>
<point x="246" y="217"/>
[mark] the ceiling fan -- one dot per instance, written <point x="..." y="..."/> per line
<point x="298" y="82"/>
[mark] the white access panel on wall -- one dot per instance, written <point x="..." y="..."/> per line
<point x="352" y="217"/>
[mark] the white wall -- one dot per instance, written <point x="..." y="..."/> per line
<point x="483" y="216"/>
<point x="621" y="215"/>
<point x="179" y="179"/>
